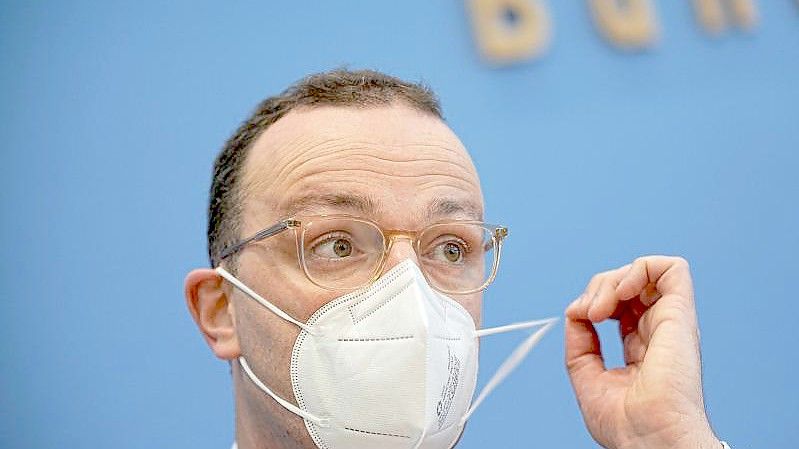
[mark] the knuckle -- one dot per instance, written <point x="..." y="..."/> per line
<point x="674" y="260"/>
<point x="682" y="262"/>
<point x="607" y="273"/>
<point x="678" y="262"/>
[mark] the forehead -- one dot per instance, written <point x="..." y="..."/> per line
<point x="392" y="163"/>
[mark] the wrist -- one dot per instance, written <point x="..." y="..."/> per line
<point x="701" y="440"/>
<point x="700" y="436"/>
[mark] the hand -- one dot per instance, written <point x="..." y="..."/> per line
<point x="655" y="401"/>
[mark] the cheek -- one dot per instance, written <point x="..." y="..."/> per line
<point x="267" y="340"/>
<point x="262" y="333"/>
<point x="474" y="305"/>
<point x="280" y="280"/>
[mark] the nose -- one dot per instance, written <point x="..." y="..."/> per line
<point x="399" y="249"/>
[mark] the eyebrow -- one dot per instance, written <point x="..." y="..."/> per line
<point x="444" y="207"/>
<point x="349" y="201"/>
<point x="438" y="208"/>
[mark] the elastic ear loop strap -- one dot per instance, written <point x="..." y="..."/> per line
<point x="288" y="405"/>
<point x="240" y="285"/>
<point x="513" y="359"/>
<point x="322" y="422"/>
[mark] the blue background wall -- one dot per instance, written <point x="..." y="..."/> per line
<point x="111" y="114"/>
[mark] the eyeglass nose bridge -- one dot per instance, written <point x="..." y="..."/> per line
<point x="392" y="235"/>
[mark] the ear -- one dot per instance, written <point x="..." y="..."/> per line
<point x="213" y="312"/>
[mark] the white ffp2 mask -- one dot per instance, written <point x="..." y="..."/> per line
<point x="391" y="366"/>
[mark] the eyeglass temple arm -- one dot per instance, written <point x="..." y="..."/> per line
<point x="268" y="232"/>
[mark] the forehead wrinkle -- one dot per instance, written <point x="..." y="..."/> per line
<point x="253" y="176"/>
<point x="295" y="160"/>
<point x="433" y="183"/>
<point x="418" y="167"/>
<point x="443" y="180"/>
<point x="257" y="178"/>
<point x="458" y="151"/>
<point x="461" y="179"/>
<point x="374" y="205"/>
<point x="408" y="161"/>
<point x="285" y="156"/>
<point x="289" y="159"/>
<point x="371" y="150"/>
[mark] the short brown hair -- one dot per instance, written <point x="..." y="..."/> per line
<point x="361" y="88"/>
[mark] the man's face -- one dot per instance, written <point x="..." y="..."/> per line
<point x="394" y="165"/>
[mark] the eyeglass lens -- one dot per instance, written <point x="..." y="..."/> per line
<point x="346" y="253"/>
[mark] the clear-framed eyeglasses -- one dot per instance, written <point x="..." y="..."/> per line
<point x="341" y="252"/>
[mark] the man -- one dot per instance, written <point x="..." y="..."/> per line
<point x="304" y="199"/>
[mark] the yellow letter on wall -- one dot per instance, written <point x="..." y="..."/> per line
<point x="713" y="17"/>
<point x="510" y="30"/>
<point x="626" y="23"/>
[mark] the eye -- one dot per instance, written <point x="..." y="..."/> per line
<point x="450" y="251"/>
<point x="333" y="247"/>
<point x="342" y="247"/>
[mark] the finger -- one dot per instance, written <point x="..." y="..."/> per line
<point x="579" y="308"/>
<point x="655" y="276"/>
<point x="583" y="355"/>
<point x="635" y="280"/>
<point x="628" y="319"/>
<point x="590" y="291"/>
<point x="631" y="337"/>
<point x="634" y="348"/>
<point x="671" y="309"/>
<point x="605" y="302"/>
<point x="574" y="309"/>
<point x="669" y="336"/>
<point x="633" y="304"/>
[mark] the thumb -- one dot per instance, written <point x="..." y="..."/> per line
<point x="584" y="360"/>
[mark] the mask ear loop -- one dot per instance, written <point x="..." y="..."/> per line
<point x="513" y="327"/>
<point x="260" y="300"/>
<point x="321" y="422"/>
<point x="513" y="359"/>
